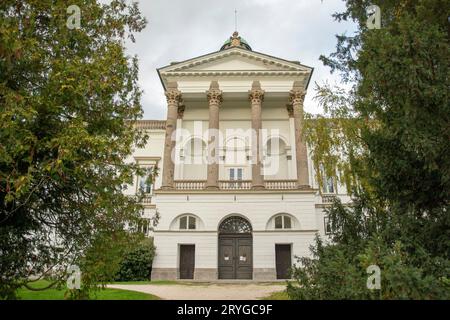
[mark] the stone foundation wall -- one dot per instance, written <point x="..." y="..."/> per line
<point x="264" y="274"/>
<point x="164" y="274"/>
<point x="211" y="274"/>
<point x="206" y="274"/>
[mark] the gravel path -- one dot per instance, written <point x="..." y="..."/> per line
<point x="205" y="291"/>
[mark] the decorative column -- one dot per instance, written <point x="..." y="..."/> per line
<point x="179" y="166"/>
<point x="214" y="95"/>
<point x="173" y="96"/>
<point x="256" y="96"/>
<point x="295" y="109"/>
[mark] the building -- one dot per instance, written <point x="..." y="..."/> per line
<point x="235" y="193"/>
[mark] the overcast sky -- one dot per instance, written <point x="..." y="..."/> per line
<point x="182" y="29"/>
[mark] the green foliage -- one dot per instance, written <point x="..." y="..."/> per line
<point x="136" y="263"/>
<point x="59" y="293"/>
<point x="68" y="99"/>
<point x="387" y="138"/>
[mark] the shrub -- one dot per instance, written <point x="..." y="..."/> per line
<point x="137" y="262"/>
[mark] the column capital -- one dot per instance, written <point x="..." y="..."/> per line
<point x="173" y="96"/>
<point x="296" y="96"/>
<point x="214" y="96"/>
<point x="256" y="94"/>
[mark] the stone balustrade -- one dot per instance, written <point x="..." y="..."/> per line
<point x="235" y="184"/>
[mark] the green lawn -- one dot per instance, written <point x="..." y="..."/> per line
<point x="102" y="294"/>
<point x="156" y="282"/>
<point x="281" y="295"/>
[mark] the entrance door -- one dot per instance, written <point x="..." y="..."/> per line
<point x="187" y="261"/>
<point x="235" y="259"/>
<point x="283" y="260"/>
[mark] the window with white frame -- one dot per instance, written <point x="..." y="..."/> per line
<point x="145" y="181"/>
<point x="235" y="173"/>
<point x="188" y="223"/>
<point x="328" y="183"/>
<point x="144" y="226"/>
<point x="283" y="222"/>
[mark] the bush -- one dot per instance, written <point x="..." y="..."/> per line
<point x="137" y="262"/>
<point x="334" y="272"/>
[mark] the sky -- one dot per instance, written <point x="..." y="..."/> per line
<point x="178" y="30"/>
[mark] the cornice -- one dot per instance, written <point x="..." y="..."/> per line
<point x="235" y="73"/>
<point x="261" y="57"/>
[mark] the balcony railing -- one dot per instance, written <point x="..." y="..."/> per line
<point x="328" y="198"/>
<point x="146" y="199"/>
<point x="235" y="184"/>
<point x="280" y="184"/>
<point x="190" y="184"/>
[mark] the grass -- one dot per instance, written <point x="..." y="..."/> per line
<point x="102" y="294"/>
<point x="280" y="295"/>
<point x="155" y="282"/>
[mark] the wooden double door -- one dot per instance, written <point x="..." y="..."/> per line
<point x="235" y="256"/>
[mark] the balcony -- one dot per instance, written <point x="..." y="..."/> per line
<point x="328" y="198"/>
<point x="145" y="200"/>
<point x="235" y="184"/>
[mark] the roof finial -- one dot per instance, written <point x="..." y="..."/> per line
<point x="235" y="20"/>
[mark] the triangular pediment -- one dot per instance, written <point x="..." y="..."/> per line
<point x="235" y="59"/>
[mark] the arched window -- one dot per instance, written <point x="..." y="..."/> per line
<point x="275" y="147"/>
<point x="275" y="163"/>
<point x="235" y="224"/>
<point x="235" y="151"/>
<point x="187" y="222"/>
<point x="283" y="222"/>
<point x="195" y="151"/>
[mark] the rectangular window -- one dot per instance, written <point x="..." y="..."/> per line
<point x="327" y="225"/>
<point x="232" y="174"/>
<point x="329" y="185"/>
<point x="236" y="174"/>
<point x="146" y="181"/>
<point x="327" y="182"/>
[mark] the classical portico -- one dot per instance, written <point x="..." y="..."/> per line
<point x="234" y="157"/>
<point x="233" y="75"/>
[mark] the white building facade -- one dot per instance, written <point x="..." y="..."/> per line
<point x="235" y="193"/>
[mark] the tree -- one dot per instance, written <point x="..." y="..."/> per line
<point x="399" y="112"/>
<point x="68" y="100"/>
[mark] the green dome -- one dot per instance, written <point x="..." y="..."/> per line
<point x="236" y="41"/>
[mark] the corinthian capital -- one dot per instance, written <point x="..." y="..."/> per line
<point x="256" y="94"/>
<point x="297" y="96"/>
<point x="173" y="96"/>
<point x="214" y="94"/>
